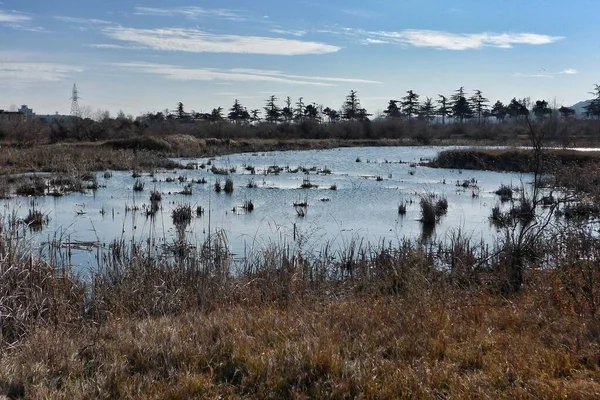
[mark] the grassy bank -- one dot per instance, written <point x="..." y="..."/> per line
<point x="150" y="152"/>
<point x="516" y="160"/>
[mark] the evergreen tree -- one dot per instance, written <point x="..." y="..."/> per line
<point x="311" y="112"/>
<point x="255" y="115"/>
<point x="237" y="113"/>
<point x="180" y="112"/>
<point x="299" y="110"/>
<point x="392" y="111"/>
<point x="351" y="107"/>
<point x="593" y="109"/>
<point x="498" y="111"/>
<point x="479" y="105"/>
<point x="216" y="114"/>
<point x="287" y="112"/>
<point x="272" y="112"/>
<point x="410" y="104"/>
<point x="541" y="110"/>
<point x="566" y="112"/>
<point x="516" y="109"/>
<point x="427" y="110"/>
<point x="461" y="108"/>
<point x="444" y="110"/>
<point x="332" y="114"/>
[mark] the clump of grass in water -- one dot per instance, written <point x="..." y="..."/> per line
<point x="228" y="185"/>
<point x="138" y="186"/>
<point x="251" y="184"/>
<point x="218" y="187"/>
<point x="199" y="211"/>
<point x="505" y="192"/>
<point x="182" y="214"/>
<point x="306" y="184"/>
<point x="187" y="190"/>
<point x="35" y="187"/>
<point x="248" y="206"/>
<point x="107" y="175"/>
<point x="333" y="187"/>
<point x="35" y="219"/>
<point x="432" y="208"/>
<point x="155" y="195"/>
<point x="402" y="208"/>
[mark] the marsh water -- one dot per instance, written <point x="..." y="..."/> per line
<point x="370" y="183"/>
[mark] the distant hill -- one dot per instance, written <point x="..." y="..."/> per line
<point x="580" y="107"/>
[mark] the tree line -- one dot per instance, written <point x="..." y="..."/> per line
<point x="457" y="108"/>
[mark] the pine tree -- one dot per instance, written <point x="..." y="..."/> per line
<point x="427" y="110"/>
<point x="410" y="104"/>
<point x="272" y="112"/>
<point x="393" y="111"/>
<point x="593" y="109"/>
<point x="461" y="109"/>
<point x="444" y="110"/>
<point x="498" y="111"/>
<point x="479" y="105"/>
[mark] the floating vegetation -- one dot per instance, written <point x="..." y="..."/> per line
<point x="232" y="170"/>
<point x="187" y="190"/>
<point x="274" y="170"/>
<point x="306" y="184"/>
<point x="182" y="178"/>
<point x="358" y="159"/>
<point x="378" y="178"/>
<point x="219" y="171"/>
<point x="201" y="181"/>
<point x="467" y="183"/>
<point x="325" y="199"/>
<point x="333" y="187"/>
<point x="302" y="204"/>
<point x="138" y="186"/>
<point x="251" y="184"/>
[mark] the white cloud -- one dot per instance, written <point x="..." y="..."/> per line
<point x="83" y="21"/>
<point x="196" y="41"/>
<point x="298" y="33"/>
<point x="13" y="17"/>
<point x="451" y="41"/>
<point x="521" y="75"/>
<point x="189" y="12"/>
<point x="31" y="72"/>
<point x="174" y="72"/>
<point x="569" y="71"/>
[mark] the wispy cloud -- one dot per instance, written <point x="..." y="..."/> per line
<point x="83" y="21"/>
<point x="448" y="40"/>
<point x="522" y="75"/>
<point x="13" y="17"/>
<point x="174" y="72"/>
<point x="545" y="74"/>
<point x="12" y="73"/>
<point x="189" y="12"/>
<point x="196" y="41"/>
<point x="297" y="33"/>
<point x="569" y="71"/>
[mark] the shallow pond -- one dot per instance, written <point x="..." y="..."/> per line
<point x="364" y="206"/>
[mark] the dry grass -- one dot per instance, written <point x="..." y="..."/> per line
<point x="429" y="344"/>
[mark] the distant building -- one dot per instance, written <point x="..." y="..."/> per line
<point x="27" y="111"/>
<point x="12" y="116"/>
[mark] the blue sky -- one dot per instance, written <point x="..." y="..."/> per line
<point x="149" y="55"/>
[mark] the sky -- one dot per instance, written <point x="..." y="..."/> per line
<point x="147" y="56"/>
